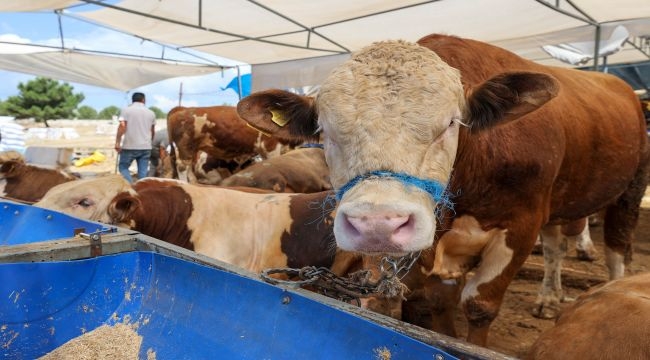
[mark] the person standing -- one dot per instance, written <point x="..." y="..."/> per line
<point x="134" y="137"/>
<point x="160" y="144"/>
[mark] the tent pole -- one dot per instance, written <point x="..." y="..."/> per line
<point x="239" y="87"/>
<point x="58" y="15"/>
<point x="180" y="94"/>
<point x="596" y="47"/>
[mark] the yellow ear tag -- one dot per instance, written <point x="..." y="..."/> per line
<point x="278" y="119"/>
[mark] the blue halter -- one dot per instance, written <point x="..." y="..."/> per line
<point x="436" y="190"/>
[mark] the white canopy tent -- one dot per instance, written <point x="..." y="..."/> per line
<point x="317" y="34"/>
<point x="113" y="72"/>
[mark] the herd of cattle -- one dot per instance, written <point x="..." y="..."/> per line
<point x="449" y="147"/>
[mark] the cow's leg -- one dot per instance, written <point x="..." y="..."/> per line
<point x="550" y="293"/>
<point x="182" y="168"/>
<point x="499" y="254"/>
<point x="578" y="231"/>
<point x="620" y="221"/>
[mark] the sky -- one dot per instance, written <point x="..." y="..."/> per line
<point x="43" y="28"/>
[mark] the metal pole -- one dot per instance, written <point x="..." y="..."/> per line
<point x="180" y="94"/>
<point x="597" y="47"/>
<point x="239" y="82"/>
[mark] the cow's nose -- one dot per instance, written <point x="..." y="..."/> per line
<point x="388" y="230"/>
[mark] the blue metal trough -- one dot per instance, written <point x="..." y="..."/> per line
<point x="183" y="305"/>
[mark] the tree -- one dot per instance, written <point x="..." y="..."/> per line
<point x="159" y="113"/>
<point x="86" y="112"/>
<point x="44" y="99"/>
<point x="108" y="112"/>
<point x="3" y="108"/>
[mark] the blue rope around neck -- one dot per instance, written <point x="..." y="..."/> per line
<point x="436" y="190"/>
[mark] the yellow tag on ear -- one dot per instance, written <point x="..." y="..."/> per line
<point x="278" y="119"/>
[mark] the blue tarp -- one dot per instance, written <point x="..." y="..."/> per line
<point x="245" y="85"/>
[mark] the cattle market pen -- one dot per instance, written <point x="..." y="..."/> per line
<point x="182" y="305"/>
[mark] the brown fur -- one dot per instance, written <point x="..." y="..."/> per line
<point x="534" y="134"/>
<point x="609" y="322"/>
<point x="299" y="170"/>
<point x="28" y="182"/>
<point x="225" y="137"/>
<point x="158" y="211"/>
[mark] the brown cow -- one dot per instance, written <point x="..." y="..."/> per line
<point x="302" y="170"/>
<point x="28" y="183"/>
<point x="214" y="142"/>
<point x="466" y="149"/>
<point x="608" y="322"/>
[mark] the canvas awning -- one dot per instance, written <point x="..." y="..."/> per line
<point x="273" y="33"/>
<point x="100" y="70"/>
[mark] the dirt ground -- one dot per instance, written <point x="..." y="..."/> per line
<point x="515" y="329"/>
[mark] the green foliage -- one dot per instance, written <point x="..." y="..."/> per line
<point x="44" y="99"/>
<point x="159" y="113"/>
<point x="3" y="109"/>
<point x="108" y="112"/>
<point x="86" y="112"/>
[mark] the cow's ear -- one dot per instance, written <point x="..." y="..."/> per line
<point x="280" y="113"/>
<point x="507" y="97"/>
<point x="121" y="209"/>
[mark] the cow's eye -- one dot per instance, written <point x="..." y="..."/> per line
<point x="85" y="202"/>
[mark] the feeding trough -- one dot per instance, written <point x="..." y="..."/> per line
<point x="176" y="304"/>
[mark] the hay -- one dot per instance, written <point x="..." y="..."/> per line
<point x="106" y="342"/>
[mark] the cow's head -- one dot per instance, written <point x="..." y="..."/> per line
<point x="86" y="198"/>
<point x="11" y="168"/>
<point x="390" y="119"/>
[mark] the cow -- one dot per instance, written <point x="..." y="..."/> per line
<point x="607" y="322"/>
<point x="464" y="151"/>
<point x="214" y="142"/>
<point x="253" y="229"/>
<point x="302" y="170"/>
<point x="28" y="183"/>
<point x="85" y="198"/>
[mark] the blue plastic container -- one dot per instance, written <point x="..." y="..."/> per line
<point x="184" y="310"/>
<point x="22" y="224"/>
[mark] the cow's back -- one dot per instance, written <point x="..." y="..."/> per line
<point x="583" y="141"/>
<point x="607" y="323"/>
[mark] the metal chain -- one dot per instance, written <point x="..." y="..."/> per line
<point x="355" y="285"/>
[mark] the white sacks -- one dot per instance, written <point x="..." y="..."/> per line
<point x="12" y="135"/>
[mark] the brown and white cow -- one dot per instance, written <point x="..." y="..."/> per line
<point x="466" y="150"/>
<point x="608" y="322"/>
<point x="28" y="183"/>
<point x="214" y="142"/>
<point x="86" y="198"/>
<point x="254" y="229"/>
<point x="301" y="170"/>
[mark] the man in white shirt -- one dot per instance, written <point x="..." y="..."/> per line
<point x="134" y="136"/>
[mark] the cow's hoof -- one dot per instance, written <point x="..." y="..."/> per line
<point x="545" y="311"/>
<point x="586" y="255"/>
